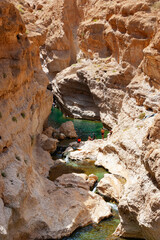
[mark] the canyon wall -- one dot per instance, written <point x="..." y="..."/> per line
<point x="114" y="46"/>
<point x="116" y="79"/>
<point x="31" y="206"/>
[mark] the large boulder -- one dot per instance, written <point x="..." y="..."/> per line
<point x="48" y="144"/>
<point x="71" y="205"/>
<point x="110" y="187"/>
<point x="68" y="130"/>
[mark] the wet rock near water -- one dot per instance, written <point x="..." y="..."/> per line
<point x="68" y="130"/>
<point x="110" y="188"/>
<point x="48" y="144"/>
<point x="92" y="179"/>
<point x="71" y="205"/>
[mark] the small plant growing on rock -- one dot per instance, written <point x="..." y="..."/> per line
<point x="23" y="114"/>
<point x="14" y="119"/>
<point x="94" y="20"/>
<point x="97" y="79"/>
<point x="139" y="127"/>
<point x="18" y="158"/>
<point x="4" y="75"/>
<point x="141" y="116"/>
<point x="3" y="174"/>
<point x="20" y="9"/>
<point x="32" y="140"/>
<point x="82" y="34"/>
<point x="25" y="160"/>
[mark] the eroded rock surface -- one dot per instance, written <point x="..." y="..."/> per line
<point x="110" y="187"/>
<point x="116" y="80"/>
<point x="31" y="206"/>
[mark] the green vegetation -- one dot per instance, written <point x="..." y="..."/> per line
<point x="18" y="158"/>
<point x="4" y="75"/>
<point x="3" y="174"/>
<point x="125" y="129"/>
<point x="23" y="114"/>
<point x="25" y="160"/>
<point x="32" y="140"/>
<point x="94" y="20"/>
<point x="82" y="34"/>
<point x="97" y="79"/>
<point x="20" y="8"/>
<point x="141" y="116"/>
<point x="0" y="115"/>
<point x="139" y="126"/>
<point x="14" y="119"/>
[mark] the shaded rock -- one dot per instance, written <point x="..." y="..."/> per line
<point x="39" y="7"/>
<point x="48" y="144"/>
<point x="49" y="131"/>
<point x="87" y="150"/>
<point x="68" y="130"/>
<point x="61" y="136"/>
<point x="110" y="187"/>
<point x="92" y="179"/>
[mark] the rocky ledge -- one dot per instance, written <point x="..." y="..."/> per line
<point x="31" y="206"/>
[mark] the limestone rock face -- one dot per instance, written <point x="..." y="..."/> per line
<point x="116" y="80"/>
<point x="110" y="187"/>
<point x="92" y="90"/>
<point x="69" y="201"/>
<point x="31" y="206"/>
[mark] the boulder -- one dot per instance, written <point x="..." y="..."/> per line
<point x="68" y="130"/>
<point x="49" y="131"/>
<point x="61" y="136"/>
<point x="92" y="179"/>
<point x="39" y="7"/>
<point x="48" y="144"/>
<point x="110" y="187"/>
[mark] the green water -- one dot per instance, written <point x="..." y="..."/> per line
<point x="84" y="128"/>
<point x="88" y="168"/>
<point x="77" y="167"/>
<point x="101" y="231"/>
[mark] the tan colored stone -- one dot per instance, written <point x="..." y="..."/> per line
<point x="110" y="187"/>
<point x="68" y="130"/>
<point x="92" y="179"/>
<point x="49" y="132"/>
<point x="48" y="144"/>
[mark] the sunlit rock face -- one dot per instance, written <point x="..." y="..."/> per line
<point x="31" y="206"/>
<point x="123" y="79"/>
<point x="115" y="80"/>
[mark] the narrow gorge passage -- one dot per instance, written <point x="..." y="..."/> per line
<point x="100" y="59"/>
<point x="105" y="229"/>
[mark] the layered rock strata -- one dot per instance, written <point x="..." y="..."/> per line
<point x="31" y="206"/>
<point x="126" y="95"/>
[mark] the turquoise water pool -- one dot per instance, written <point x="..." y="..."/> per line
<point x="84" y="128"/>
